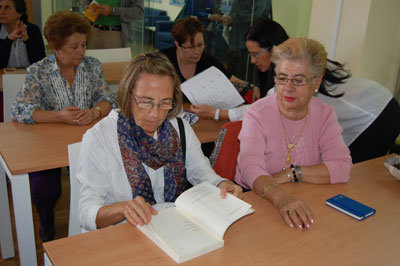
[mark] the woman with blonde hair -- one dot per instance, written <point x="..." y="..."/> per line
<point x="141" y="157"/>
<point x="291" y="136"/>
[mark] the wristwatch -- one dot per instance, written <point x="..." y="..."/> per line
<point x="99" y="109"/>
<point x="216" y="116"/>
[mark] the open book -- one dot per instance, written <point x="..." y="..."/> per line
<point x="197" y="223"/>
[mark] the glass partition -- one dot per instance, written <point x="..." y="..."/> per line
<point x="224" y="39"/>
<point x="225" y="21"/>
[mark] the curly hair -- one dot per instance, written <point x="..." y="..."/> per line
<point x="62" y="24"/>
<point x="186" y="29"/>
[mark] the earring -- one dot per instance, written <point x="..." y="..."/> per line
<point x="316" y="91"/>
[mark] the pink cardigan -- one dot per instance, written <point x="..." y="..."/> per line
<point x="262" y="145"/>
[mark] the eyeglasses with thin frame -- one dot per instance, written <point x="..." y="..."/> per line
<point x="148" y="104"/>
<point x="257" y="55"/>
<point x="295" y="81"/>
<point x="192" y="48"/>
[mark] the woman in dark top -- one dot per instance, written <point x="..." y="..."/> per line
<point x="187" y="56"/>
<point x="202" y="64"/>
<point x="21" y="43"/>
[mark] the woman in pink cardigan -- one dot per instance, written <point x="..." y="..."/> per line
<point x="291" y="136"/>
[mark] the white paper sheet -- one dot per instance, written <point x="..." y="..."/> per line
<point x="212" y="87"/>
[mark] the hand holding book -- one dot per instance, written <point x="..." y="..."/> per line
<point x="138" y="211"/>
<point x="228" y="186"/>
<point x="197" y="224"/>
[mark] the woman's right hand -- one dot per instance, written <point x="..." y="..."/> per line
<point x="295" y="212"/>
<point x="69" y="115"/>
<point x="138" y="211"/>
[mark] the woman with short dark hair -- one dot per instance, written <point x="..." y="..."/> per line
<point x="187" y="55"/>
<point x="21" y="42"/>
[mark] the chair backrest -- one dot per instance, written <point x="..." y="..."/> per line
<point x="74" y="227"/>
<point x="111" y="55"/>
<point x="12" y="84"/>
<point x="224" y="156"/>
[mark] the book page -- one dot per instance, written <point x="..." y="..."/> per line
<point x="212" y="87"/>
<point x="180" y="236"/>
<point x="204" y="204"/>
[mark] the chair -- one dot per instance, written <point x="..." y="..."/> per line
<point x="12" y="84"/>
<point x="224" y="156"/>
<point x="152" y="15"/>
<point x="111" y="55"/>
<point x="162" y="37"/>
<point x="74" y="227"/>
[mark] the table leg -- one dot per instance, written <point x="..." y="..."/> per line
<point x="6" y="239"/>
<point x="24" y="219"/>
<point x="46" y="260"/>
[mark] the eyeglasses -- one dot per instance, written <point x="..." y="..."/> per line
<point x="192" y="48"/>
<point x="295" y="81"/>
<point x="257" y="55"/>
<point x="148" y="104"/>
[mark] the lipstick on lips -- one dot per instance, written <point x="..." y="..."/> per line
<point x="289" y="99"/>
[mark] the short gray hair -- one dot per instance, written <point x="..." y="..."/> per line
<point x="302" y="48"/>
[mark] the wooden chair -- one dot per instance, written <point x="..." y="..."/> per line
<point x="224" y="156"/>
<point x="74" y="227"/>
<point x="111" y="55"/>
<point x="12" y="84"/>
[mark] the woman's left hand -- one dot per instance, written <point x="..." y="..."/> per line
<point x="85" y="117"/>
<point x="256" y="93"/>
<point x="105" y="10"/>
<point x="295" y="212"/>
<point x="228" y="186"/>
<point x="203" y="110"/>
<point x="284" y="176"/>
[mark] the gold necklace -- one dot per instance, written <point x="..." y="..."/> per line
<point x="289" y="145"/>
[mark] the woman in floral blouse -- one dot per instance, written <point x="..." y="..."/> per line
<point x="66" y="87"/>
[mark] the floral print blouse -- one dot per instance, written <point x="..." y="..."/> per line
<point x="46" y="89"/>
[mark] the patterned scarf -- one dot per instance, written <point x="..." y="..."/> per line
<point x="137" y="147"/>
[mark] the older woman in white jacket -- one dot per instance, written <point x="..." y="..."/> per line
<point x="135" y="158"/>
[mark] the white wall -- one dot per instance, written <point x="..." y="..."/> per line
<point x="293" y="15"/>
<point x="381" y="53"/>
<point x="368" y="36"/>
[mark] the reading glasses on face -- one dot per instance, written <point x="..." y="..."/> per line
<point x="295" y="81"/>
<point x="148" y="105"/>
<point x="192" y="48"/>
<point x="257" y="55"/>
